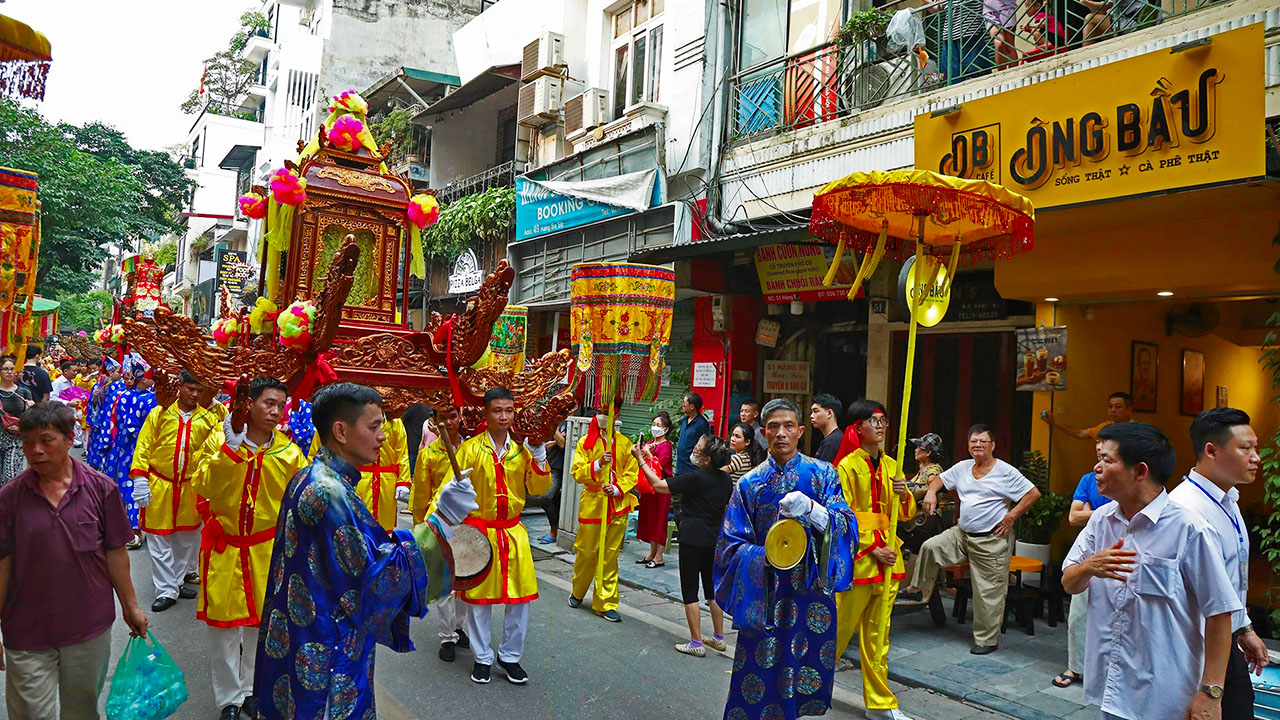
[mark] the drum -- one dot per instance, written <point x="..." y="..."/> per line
<point x="786" y="544"/>
<point x="472" y="557"/>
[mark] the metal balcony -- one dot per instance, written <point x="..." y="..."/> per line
<point x="503" y="175"/>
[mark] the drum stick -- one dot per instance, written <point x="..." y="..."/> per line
<point x="448" y="450"/>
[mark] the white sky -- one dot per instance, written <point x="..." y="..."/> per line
<point x="128" y="63"/>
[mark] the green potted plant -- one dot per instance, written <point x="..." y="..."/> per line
<point x="1035" y="529"/>
<point x="863" y="26"/>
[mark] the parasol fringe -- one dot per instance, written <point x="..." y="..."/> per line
<point x="870" y="261"/>
<point x="22" y="78"/>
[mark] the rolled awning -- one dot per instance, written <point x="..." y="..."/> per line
<point x="24" y="60"/>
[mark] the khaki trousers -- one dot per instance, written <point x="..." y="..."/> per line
<point x="988" y="574"/>
<point x="38" y="681"/>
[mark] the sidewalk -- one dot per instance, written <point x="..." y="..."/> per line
<point x="1014" y="681"/>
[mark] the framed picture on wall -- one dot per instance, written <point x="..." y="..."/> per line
<point x="1144" y="365"/>
<point x="1192" y="382"/>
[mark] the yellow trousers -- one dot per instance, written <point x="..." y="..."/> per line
<point x="584" y="565"/>
<point x="860" y="609"/>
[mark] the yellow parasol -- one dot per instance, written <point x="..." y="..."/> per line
<point x="906" y="212"/>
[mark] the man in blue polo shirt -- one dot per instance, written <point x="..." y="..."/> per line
<point x="1085" y="500"/>
<point x="692" y="427"/>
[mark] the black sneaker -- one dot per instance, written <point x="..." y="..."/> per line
<point x="463" y="641"/>
<point x="574" y="602"/>
<point x="448" y="651"/>
<point x="230" y="712"/>
<point x="191" y="578"/>
<point x="982" y="649"/>
<point x="480" y="673"/>
<point x="249" y="708"/>
<point x="163" y="603"/>
<point x="611" y="616"/>
<point x="515" y="673"/>
<point x="186" y="593"/>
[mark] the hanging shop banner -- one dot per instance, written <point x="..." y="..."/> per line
<point x="795" y="272"/>
<point x="1042" y="358"/>
<point x="1159" y="121"/>
<point x="233" y="271"/>
<point x="787" y="377"/>
<point x="544" y="206"/>
<point x="204" y="302"/>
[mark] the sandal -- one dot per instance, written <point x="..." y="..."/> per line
<point x="643" y="561"/>
<point x="651" y="564"/>
<point x="1064" y="680"/>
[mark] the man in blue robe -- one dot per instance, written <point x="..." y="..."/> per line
<point x="131" y="409"/>
<point x="98" y="415"/>
<point x="785" y="662"/>
<point x="339" y="583"/>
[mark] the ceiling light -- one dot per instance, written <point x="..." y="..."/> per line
<point x="1165" y="293"/>
<point x="1051" y="299"/>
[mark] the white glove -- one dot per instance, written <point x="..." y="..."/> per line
<point x="794" y="504"/>
<point x="538" y="451"/>
<point x="457" y="499"/>
<point x="402" y="493"/>
<point x="141" y="492"/>
<point x="234" y="439"/>
<point x="819" y="517"/>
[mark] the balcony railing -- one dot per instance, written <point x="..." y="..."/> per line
<point x="228" y="110"/>
<point x="503" y="175"/>
<point x="964" y="39"/>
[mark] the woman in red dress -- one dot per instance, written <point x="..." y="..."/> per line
<point x="651" y="527"/>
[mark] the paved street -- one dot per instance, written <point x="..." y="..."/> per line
<point x="580" y="666"/>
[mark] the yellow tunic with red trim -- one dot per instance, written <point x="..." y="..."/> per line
<point x="167" y="454"/>
<point x="378" y="482"/>
<point x="866" y="490"/>
<point x="244" y="490"/>
<point x="429" y="473"/>
<point x="623" y="472"/>
<point x="502" y="484"/>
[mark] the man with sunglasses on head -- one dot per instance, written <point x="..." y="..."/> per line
<point x="986" y="486"/>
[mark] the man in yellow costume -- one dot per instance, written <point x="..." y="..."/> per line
<point x="430" y="472"/>
<point x="503" y="473"/>
<point x="243" y="473"/>
<point x="378" y="482"/>
<point x="870" y="479"/>
<point x="607" y="471"/>
<point x="163" y="462"/>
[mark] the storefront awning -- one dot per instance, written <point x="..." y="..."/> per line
<point x="481" y="86"/>
<point x="407" y="87"/>
<point x="799" y="235"/>
<point x="1204" y="242"/>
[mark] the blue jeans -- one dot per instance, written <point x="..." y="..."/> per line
<point x="967" y="57"/>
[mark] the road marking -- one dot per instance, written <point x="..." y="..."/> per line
<point x="838" y="695"/>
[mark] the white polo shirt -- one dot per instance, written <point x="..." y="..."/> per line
<point x="1144" y="649"/>
<point x="1222" y="512"/>
<point x="985" y="501"/>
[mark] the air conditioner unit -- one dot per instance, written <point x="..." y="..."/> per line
<point x="539" y="101"/>
<point x="586" y="111"/>
<point x="543" y="56"/>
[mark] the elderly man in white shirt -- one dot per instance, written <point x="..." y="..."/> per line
<point x="1160" y="601"/>
<point x="1227" y="456"/>
<point x="986" y="486"/>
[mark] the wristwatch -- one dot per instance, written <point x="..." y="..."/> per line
<point x="1213" y="691"/>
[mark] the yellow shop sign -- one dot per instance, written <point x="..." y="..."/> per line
<point x="1154" y="122"/>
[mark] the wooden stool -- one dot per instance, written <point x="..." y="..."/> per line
<point x="1023" y="600"/>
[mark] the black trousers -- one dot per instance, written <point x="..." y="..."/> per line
<point x="1237" y="691"/>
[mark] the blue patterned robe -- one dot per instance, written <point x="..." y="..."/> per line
<point x="785" y="662"/>
<point x="131" y="409"/>
<point x="99" y="417"/>
<point x="299" y="427"/>
<point x="338" y="584"/>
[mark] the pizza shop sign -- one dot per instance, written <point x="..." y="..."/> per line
<point x="1154" y="122"/>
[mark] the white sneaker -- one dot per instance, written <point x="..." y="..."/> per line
<point x="890" y="714"/>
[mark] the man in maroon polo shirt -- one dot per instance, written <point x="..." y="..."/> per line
<point x="63" y="531"/>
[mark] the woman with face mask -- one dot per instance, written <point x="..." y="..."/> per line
<point x="651" y="527"/>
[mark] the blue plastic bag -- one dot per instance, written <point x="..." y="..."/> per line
<point x="147" y="684"/>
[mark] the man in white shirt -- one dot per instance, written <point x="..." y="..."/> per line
<point x="986" y="486"/>
<point x="1160" y="601"/>
<point x="1226" y="456"/>
<point x="63" y="382"/>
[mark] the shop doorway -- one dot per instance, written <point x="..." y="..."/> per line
<point x="962" y="379"/>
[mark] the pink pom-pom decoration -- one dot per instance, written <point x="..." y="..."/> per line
<point x="287" y="188"/>
<point x="117" y="334"/>
<point x="97" y="337"/>
<point x="423" y="211"/>
<point x="253" y="206"/>
<point x="295" y="324"/>
<point x="345" y="133"/>
<point x="225" y="331"/>
<point x="82" y="333"/>
<point x="349" y="101"/>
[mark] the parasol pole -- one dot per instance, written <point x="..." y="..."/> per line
<point x="612" y="384"/>
<point x="915" y="302"/>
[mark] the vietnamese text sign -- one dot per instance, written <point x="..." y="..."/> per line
<point x="1042" y="358"/>
<point x="1154" y="122"/>
<point x="795" y="272"/>
<point x="233" y="271"/>
<point x="787" y="377"/>
<point x="540" y="211"/>
<point x="704" y="375"/>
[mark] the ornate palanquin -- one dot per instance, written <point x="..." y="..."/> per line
<point x="347" y="259"/>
